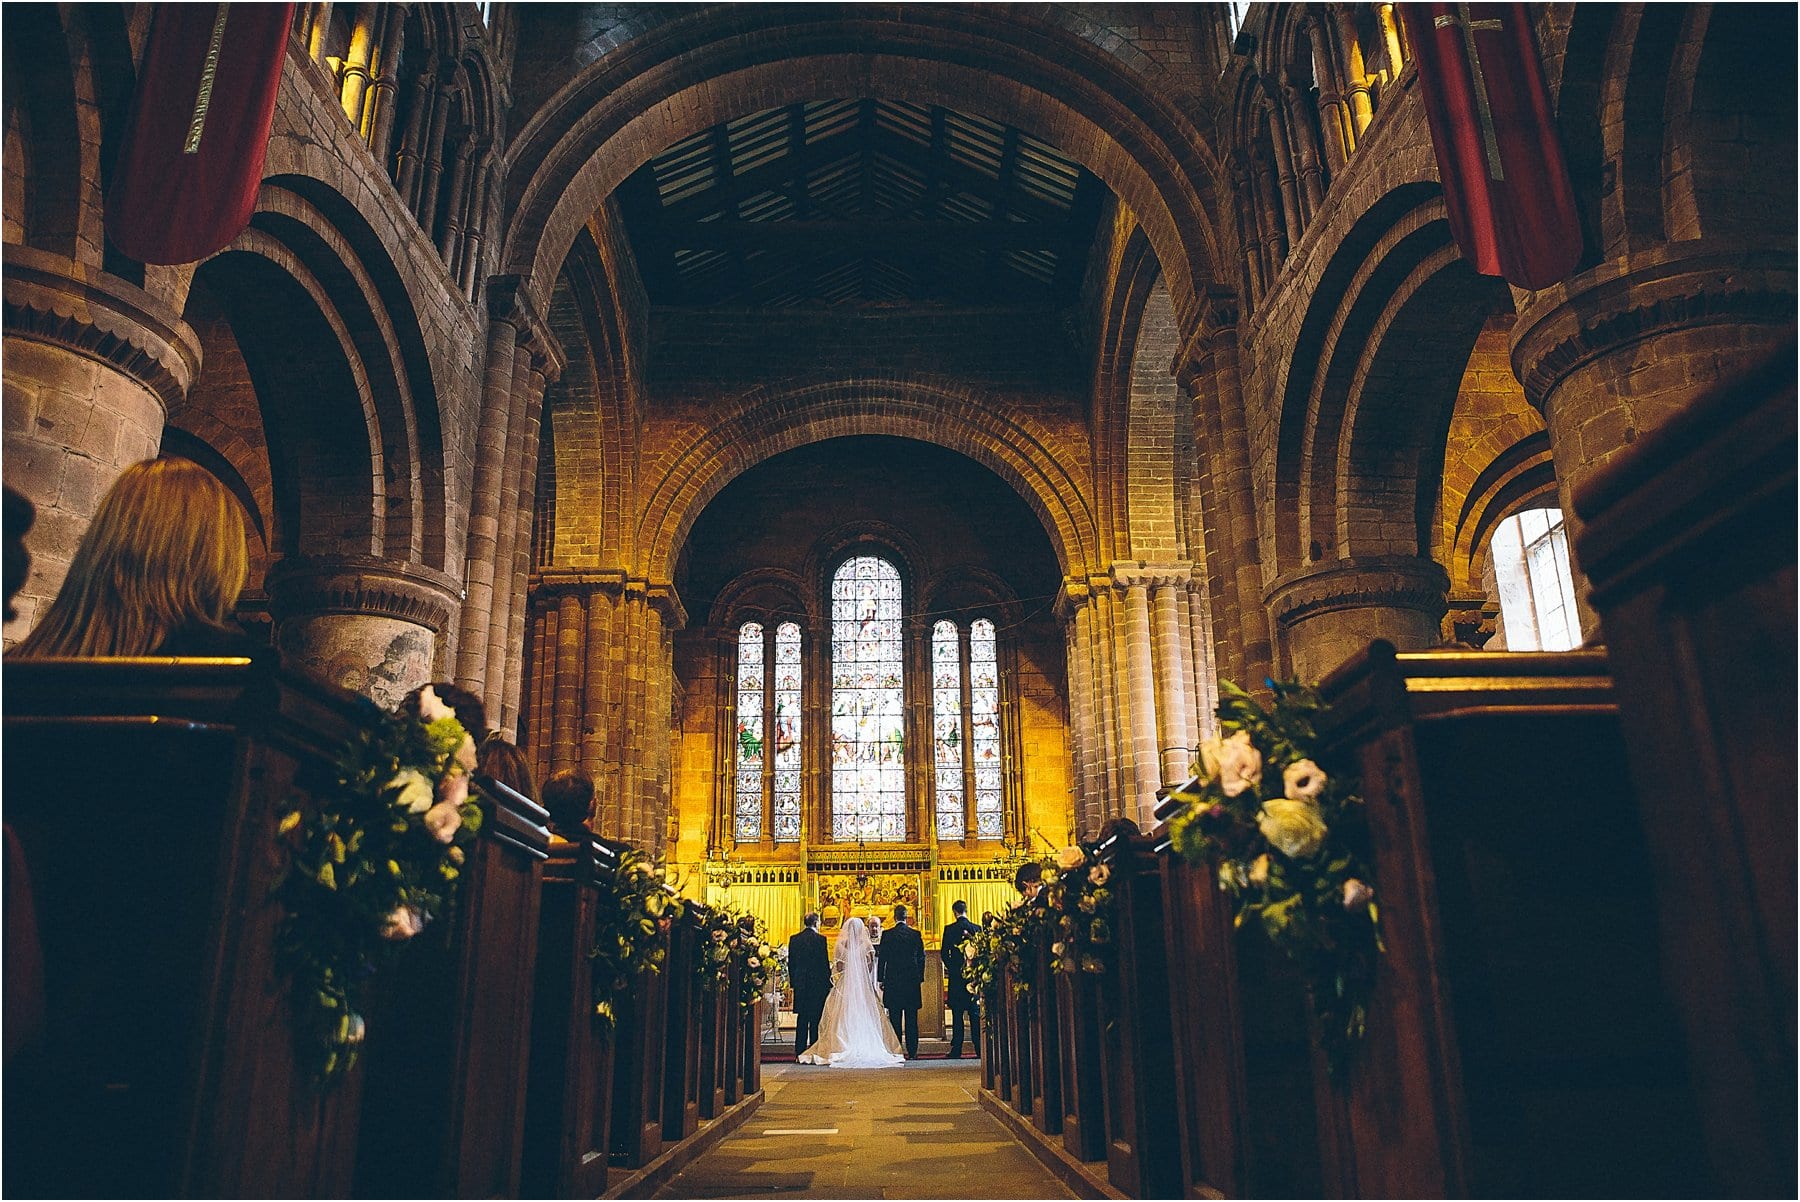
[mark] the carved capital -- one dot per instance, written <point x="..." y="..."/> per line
<point x="360" y="584"/>
<point x="1365" y="582"/>
<point x="1622" y="303"/>
<point x="1215" y="328"/>
<point x="57" y="301"/>
<point x="509" y="300"/>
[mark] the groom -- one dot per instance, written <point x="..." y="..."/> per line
<point x="809" y="972"/>
<point x="901" y="965"/>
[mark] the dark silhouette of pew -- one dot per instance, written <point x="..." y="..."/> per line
<point x="449" y="1036"/>
<point x="1689" y="541"/>
<point x="569" y="1094"/>
<point x="145" y="794"/>
<point x="1521" y="1040"/>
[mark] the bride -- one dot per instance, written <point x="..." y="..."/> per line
<point x="853" y="1033"/>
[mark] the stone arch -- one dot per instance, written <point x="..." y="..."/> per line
<point x="1373" y="384"/>
<point x="764" y="594"/>
<point x="625" y="107"/>
<point x="1728" y="140"/>
<point x="764" y="424"/>
<point x="51" y="164"/>
<point x="586" y="410"/>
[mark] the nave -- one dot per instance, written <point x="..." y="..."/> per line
<point x="915" y="1131"/>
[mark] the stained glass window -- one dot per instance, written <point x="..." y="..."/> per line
<point x="749" y="776"/>
<point x="868" y="712"/>
<point x="984" y="714"/>
<point x="786" y="806"/>
<point x="947" y="731"/>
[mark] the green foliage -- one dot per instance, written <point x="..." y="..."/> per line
<point x="631" y="927"/>
<point x="1289" y="844"/>
<point x="1080" y="898"/>
<point x="735" y="936"/>
<point x="379" y="859"/>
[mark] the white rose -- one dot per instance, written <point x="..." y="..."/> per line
<point x="1070" y="858"/>
<point x="1357" y="895"/>
<point x="432" y="707"/>
<point x="1294" y="827"/>
<point x="754" y="962"/>
<point x="1209" y="758"/>
<point x="1098" y="875"/>
<point x="414" y="791"/>
<point x="764" y="950"/>
<point x="443" y="820"/>
<point x="465" y="754"/>
<point x="402" y="924"/>
<point x="1303" y="780"/>
<point x="1240" y="764"/>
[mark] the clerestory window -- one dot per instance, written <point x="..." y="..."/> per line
<point x="1530" y="553"/>
<point x="767" y="780"/>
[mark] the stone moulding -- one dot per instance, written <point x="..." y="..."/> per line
<point x="1618" y="305"/>
<point x="364" y="585"/>
<point x="1369" y="582"/>
<point x="54" y="300"/>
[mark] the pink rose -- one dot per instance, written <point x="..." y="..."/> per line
<point x="443" y="820"/>
<point x="1303" y="780"/>
<point x="465" y="754"/>
<point x="402" y="924"/>
<point x="1357" y="895"/>
<point x="1240" y="764"/>
<point x="453" y="788"/>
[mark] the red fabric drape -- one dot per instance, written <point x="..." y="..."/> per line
<point x="1512" y="210"/>
<point x="185" y="186"/>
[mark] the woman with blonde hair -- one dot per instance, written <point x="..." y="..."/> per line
<point x="157" y="573"/>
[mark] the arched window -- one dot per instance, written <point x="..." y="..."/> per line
<point x="1530" y="554"/>
<point x="868" y="702"/>
<point x="767" y="779"/>
<point x="965" y="680"/>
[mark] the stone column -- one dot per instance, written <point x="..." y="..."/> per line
<point x="1205" y="720"/>
<point x="1174" y="678"/>
<point x="1141" y="679"/>
<point x="383" y="91"/>
<point x="1330" y="612"/>
<point x="1616" y="351"/>
<point x="602" y="703"/>
<point x="484" y="494"/>
<point x="367" y="624"/>
<point x="92" y="365"/>
<point x="513" y="673"/>
<point x="1075" y="610"/>
<point x="527" y="384"/>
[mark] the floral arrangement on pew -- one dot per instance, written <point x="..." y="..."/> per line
<point x="1290" y="845"/>
<point x="982" y="957"/>
<point x="631" y="925"/>
<point x="1081" y="904"/>
<point x="756" y="960"/>
<point x="379" y="860"/>
<point x="714" y="950"/>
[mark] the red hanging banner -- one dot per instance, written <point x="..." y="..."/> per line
<point x="1512" y="210"/>
<point x="193" y="157"/>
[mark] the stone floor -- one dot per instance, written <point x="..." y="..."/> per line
<point x="912" y="1131"/>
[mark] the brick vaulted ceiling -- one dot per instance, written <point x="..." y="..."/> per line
<point x="861" y="204"/>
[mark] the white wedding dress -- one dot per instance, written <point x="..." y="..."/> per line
<point x="853" y="1031"/>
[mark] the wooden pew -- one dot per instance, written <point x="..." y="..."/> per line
<point x="449" y="1044"/>
<point x="637" y="1086"/>
<point x="568" y="1098"/>
<point x="1083" y="1092"/>
<point x="1688" y="540"/>
<point x="682" y="1040"/>
<point x="145" y="795"/>
<point x="715" y="1051"/>
<point x="1136" y="1034"/>
<point x="734" y="1037"/>
<point x="1046" y="1043"/>
<point x="1020" y="1086"/>
<point x="1520" y="1040"/>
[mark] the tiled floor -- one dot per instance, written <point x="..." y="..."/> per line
<point x="912" y="1131"/>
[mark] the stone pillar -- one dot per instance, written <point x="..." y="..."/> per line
<point x="514" y="671"/>
<point x="1141" y="679"/>
<point x="92" y="365"/>
<point x="367" y="624"/>
<point x="1204" y="720"/>
<point x="1330" y="612"/>
<point x="484" y="495"/>
<point x="1075" y="609"/>
<point x="527" y="384"/>
<point x="353" y="82"/>
<point x="567" y="694"/>
<point x="1174" y="678"/>
<point x="602" y="703"/>
<point x="1286" y="169"/>
<point x="1616" y="351"/>
<point x="383" y="91"/>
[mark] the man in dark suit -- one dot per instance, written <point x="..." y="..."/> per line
<point x="809" y="972"/>
<point x="901" y="962"/>
<point x="956" y="989"/>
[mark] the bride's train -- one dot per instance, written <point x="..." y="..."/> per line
<point x="853" y="1032"/>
